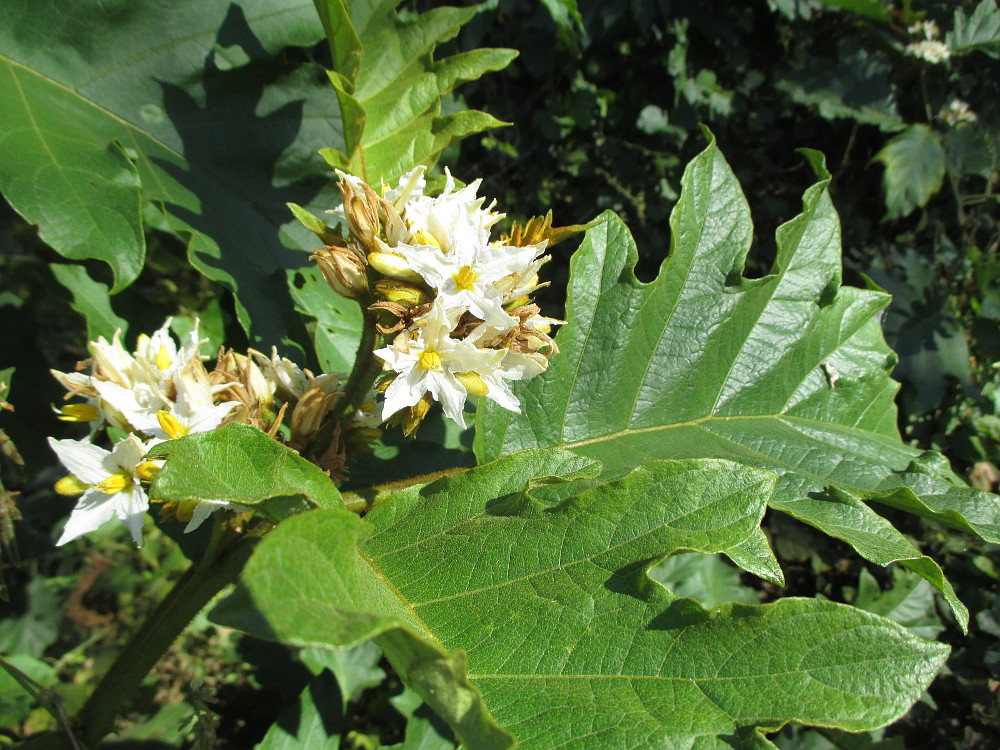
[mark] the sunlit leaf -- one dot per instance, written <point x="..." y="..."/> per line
<point x="788" y="372"/>
<point x="530" y="599"/>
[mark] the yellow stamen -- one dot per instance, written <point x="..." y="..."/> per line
<point x="171" y="425"/>
<point x="79" y="413"/>
<point x="114" y="484"/>
<point x="465" y="278"/>
<point x="147" y="470"/>
<point x="423" y="237"/>
<point x="162" y="360"/>
<point x="430" y="361"/>
<point x="71" y="485"/>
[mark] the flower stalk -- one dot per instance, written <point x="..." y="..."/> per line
<point x="223" y="560"/>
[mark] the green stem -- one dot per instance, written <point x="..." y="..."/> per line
<point x="218" y="568"/>
<point x="366" y="368"/>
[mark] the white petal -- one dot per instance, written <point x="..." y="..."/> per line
<point x="404" y="391"/>
<point x="92" y="510"/>
<point x="128" y="452"/>
<point x="500" y="392"/>
<point x="84" y="460"/>
<point x="203" y="510"/>
<point x="209" y="419"/>
<point x="131" y="506"/>
<point x="445" y="388"/>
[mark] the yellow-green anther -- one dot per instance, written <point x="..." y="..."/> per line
<point x="147" y="470"/>
<point x="171" y="425"/>
<point x="465" y="278"/>
<point x="162" y="360"/>
<point x="423" y="237"/>
<point x="114" y="484"/>
<point x="430" y="361"/>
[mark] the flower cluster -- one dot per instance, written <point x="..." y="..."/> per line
<point x="928" y="46"/>
<point x="163" y="391"/>
<point x="957" y="113"/>
<point x="455" y="305"/>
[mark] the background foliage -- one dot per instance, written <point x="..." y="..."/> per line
<point x="217" y="125"/>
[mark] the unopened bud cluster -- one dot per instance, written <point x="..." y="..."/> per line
<point x="163" y="391"/>
<point x="454" y="305"/>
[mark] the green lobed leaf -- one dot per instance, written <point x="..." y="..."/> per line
<point x="314" y="722"/>
<point x="788" y="372"/>
<point x="548" y="610"/>
<point x="219" y="127"/>
<point x="91" y="299"/>
<point x="391" y="100"/>
<point x="978" y="32"/>
<point x="241" y="464"/>
<point x="856" y="88"/>
<point x="914" y="170"/>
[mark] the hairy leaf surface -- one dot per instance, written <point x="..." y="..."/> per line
<point x="529" y="598"/>
<point x="241" y="464"/>
<point x="788" y="372"/>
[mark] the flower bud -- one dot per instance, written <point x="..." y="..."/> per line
<point x="394" y="266"/>
<point x="402" y="293"/>
<point x="309" y="413"/>
<point x="344" y="270"/>
<point x="79" y="413"/>
<point x="474" y="385"/>
<point x="71" y="485"/>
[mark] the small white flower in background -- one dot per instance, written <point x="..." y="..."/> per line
<point x="957" y="113"/>
<point x="109" y="482"/>
<point x="930" y="47"/>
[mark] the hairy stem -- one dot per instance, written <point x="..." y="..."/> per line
<point x="189" y="595"/>
<point x="366" y="369"/>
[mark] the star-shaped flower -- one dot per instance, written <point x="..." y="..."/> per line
<point x="109" y="481"/>
<point x="427" y="360"/>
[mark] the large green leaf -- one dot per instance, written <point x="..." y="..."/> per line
<point x="788" y="372"/>
<point x="192" y="99"/>
<point x="980" y="31"/>
<point x="390" y="87"/>
<point x="530" y="599"/>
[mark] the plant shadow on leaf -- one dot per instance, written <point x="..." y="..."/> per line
<point x="233" y="149"/>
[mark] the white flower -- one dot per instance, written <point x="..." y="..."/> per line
<point x="428" y="360"/>
<point x="193" y="411"/>
<point x="957" y="113"/>
<point x="448" y="221"/>
<point x="931" y="50"/>
<point x="109" y="481"/>
<point x="467" y="277"/>
<point x="161" y="354"/>
<point x="291" y="380"/>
